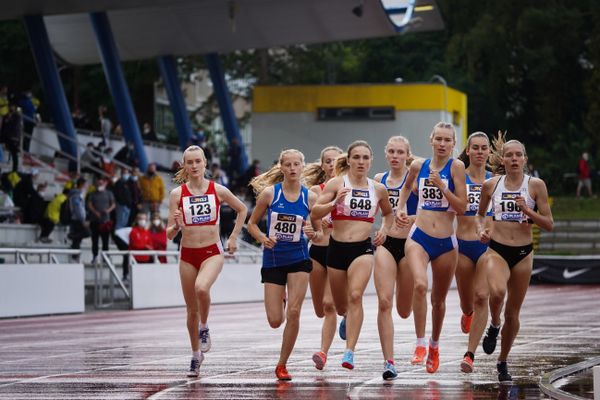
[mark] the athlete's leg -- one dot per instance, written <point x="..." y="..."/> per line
<point x="517" y="288"/>
<point x="359" y="274"/>
<point x="480" y="303"/>
<point x="207" y="275"/>
<point x="338" y="281"/>
<point x="465" y="272"/>
<point x="404" y="289"/>
<point x="498" y="275"/>
<point x="273" y="304"/>
<point x="442" y="269"/>
<point x="385" y="279"/>
<point x="297" y="283"/>
<point x="188" y="274"/>
<point x="323" y="304"/>
<point x="417" y="258"/>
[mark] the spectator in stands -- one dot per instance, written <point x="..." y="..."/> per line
<point x="29" y="110"/>
<point x="126" y="155"/>
<point x="12" y="130"/>
<point x="52" y="216"/>
<point x="140" y="238"/>
<point x="206" y="147"/>
<point x="252" y="171"/>
<point x="78" y="227"/>
<point x="72" y="182"/>
<point x="7" y="212"/>
<point x="105" y="124"/>
<point x="218" y="175"/>
<point x="123" y="198"/>
<point x="234" y="154"/>
<point x="118" y="131"/>
<point x="100" y="204"/>
<point x="153" y="189"/>
<point x="3" y="103"/>
<point x="24" y="191"/>
<point x="158" y="233"/>
<point x="584" y="175"/>
<point x="148" y="133"/>
<point x="79" y="118"/>
<point x="89" y="158"/>
<point x="108" y="165"/>
<point x="136" y="194"/>
<point x="121" y="239"/>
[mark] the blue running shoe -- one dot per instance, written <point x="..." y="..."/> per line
<point x="195" y="367"/>
<point x="348" y="359"/>
<point x="204" y="337"/>
<point x="389" y="371"/>
<point x="342" y="330"/>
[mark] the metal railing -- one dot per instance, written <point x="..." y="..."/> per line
<point x="21" y="256"/>
<point x="107" y="282"/>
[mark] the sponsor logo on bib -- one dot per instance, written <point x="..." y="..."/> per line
<point x="198" y="199"/>
<point x="360" y="193"/>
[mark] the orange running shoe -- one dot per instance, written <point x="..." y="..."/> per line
<point x="319" y="358"/>
<point x="282" y="373"/>
<point x="467" y="364"/>
<point x="465" y="323"/>
<point x="433" y="360"/>
<point x="419" y="355"/>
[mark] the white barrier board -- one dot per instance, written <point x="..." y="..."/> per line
<point x="38" y="289"/>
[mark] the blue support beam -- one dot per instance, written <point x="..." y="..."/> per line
<point x="51" y="83"/>
<point x="117" y="84"/>
<point x="168" y="71"/>
<point x="225" y="107"/>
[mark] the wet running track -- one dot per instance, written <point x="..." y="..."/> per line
<point x="145" y="354"/>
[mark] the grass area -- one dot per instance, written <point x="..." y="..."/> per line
<point x="575" y="208"/>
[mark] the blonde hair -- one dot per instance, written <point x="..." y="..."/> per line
<point x="399" y="138"/>
<point x="313" y="173"/>
<point x="274" y="175"/>
<point x="181" y="176"/>
<point x="463" y="155"/>
<point x="443" y="125"/>
<point x="497" y="153"/>
<point x="341" y="163"/>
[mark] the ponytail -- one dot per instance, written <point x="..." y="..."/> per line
<point x="313" y="174"/>
<point x="274" y="175"/>
<point x="266" y="179"/>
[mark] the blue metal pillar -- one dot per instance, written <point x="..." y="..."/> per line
<point x="116" y="81"/>
<point x="168" y="71"/>
<point x="225" y="107"/>
<point x="50" y="79"/>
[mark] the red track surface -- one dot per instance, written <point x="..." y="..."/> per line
<point x="141" y="354"/>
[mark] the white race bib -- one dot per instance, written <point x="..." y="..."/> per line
<point x="473" y="196"/>
<point x="431" y="195"/>
<point x="286" y="227"/>
<point x="198" y="210"/>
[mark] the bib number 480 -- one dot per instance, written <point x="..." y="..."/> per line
<point x="284" y="227"/>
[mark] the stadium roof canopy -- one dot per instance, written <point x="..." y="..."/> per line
<point x="150" y="28"/>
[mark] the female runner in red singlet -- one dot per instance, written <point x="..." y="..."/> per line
<point x="194" y="209"/>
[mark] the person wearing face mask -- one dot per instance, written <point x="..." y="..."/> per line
<point x="123" y="198"/>
<point x="140" y="238"/>
<point x="100" y="204"/>
<point x="158" y="233"/>
<point x="153" y="188"/>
